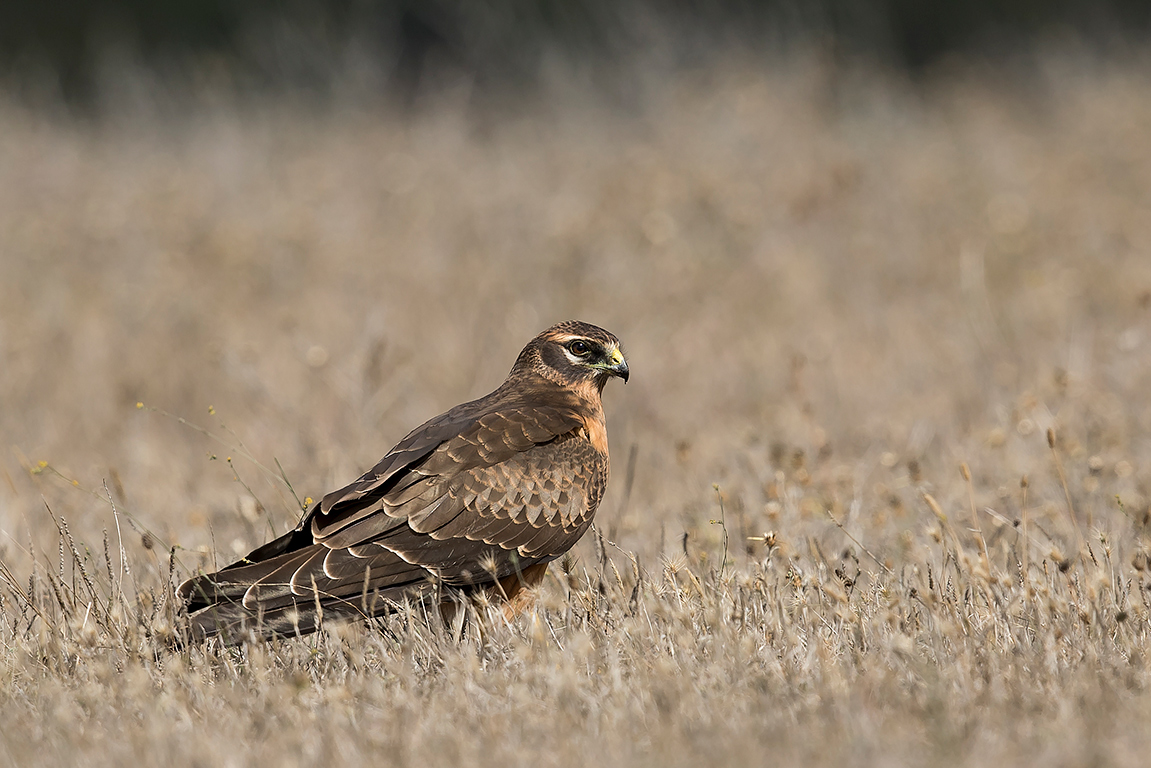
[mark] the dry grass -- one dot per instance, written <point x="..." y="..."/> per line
<point x="835" y="292"/>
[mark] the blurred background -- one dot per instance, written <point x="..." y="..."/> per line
<point x="846" y="243"/>
<point x="70" y="49"/>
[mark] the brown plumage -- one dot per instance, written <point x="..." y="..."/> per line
<point x="479" y="498"/>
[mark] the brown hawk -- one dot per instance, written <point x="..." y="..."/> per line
<point x="482" y="497"/>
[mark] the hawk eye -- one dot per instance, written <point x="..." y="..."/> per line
<point x="579" y="348"/>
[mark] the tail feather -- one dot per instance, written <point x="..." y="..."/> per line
<point x="289" y="593"/>
<point x="230" y="584"/>
<point x="300" y="614"/>
<point x="288" y="587"/>
<point x="233" y="622"/>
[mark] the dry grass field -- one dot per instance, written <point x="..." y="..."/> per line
<point x="856" y="309"/>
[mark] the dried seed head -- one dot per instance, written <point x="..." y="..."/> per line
<point x="1051" y="437"/>
<point x="934" y="505"/>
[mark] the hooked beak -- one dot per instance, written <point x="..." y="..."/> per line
<point x="617" y="366"/>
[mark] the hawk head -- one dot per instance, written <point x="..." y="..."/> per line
<point x="574" y="353"/>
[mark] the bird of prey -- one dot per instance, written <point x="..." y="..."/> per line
<point x="480" y="498"/>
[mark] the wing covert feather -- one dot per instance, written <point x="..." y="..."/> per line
<point x="555" y="486"/>
<point x="486" y="441"/>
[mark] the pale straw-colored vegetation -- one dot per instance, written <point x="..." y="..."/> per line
<point x="881" y="476"/>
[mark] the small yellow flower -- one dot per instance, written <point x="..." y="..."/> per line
<point x="42" y="464"/>
<point x="139" y="405"/>
<point x="307" y="501"/>
<point x="211" y="411"/>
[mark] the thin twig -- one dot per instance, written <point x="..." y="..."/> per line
<point x="847" y="533"/>
<point x="1026" y="540"/>
<point x="966" y="472"/>
<point x="722" y="521"/>
<point x="1066" y="492"/>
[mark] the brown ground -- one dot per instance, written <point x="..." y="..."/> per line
<point x="833" y="291"/>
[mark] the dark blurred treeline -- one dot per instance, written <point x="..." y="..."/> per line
<point x="262" y="43"/>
